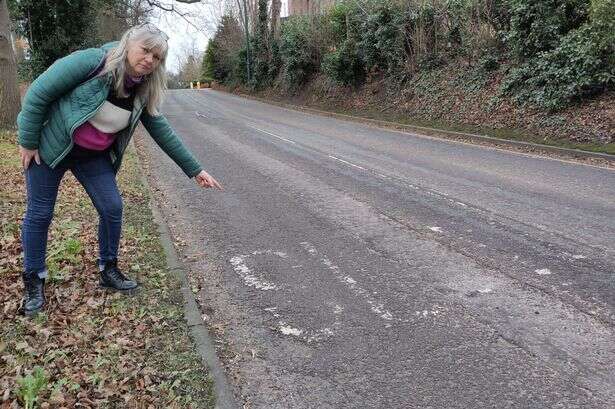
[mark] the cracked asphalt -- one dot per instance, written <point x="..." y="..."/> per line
<point x="347" y="266"/>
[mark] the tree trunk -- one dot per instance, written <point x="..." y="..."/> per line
<point x="276" y="5"/>
<point x="10" y="101"/>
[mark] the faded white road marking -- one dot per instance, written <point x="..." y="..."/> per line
<point x="249" y="278"/>
<point x="351" y="283"/>
<point x="578" y="257"/>
<point x="307" y="335"/>
<point x="543" y="272"/>
<point x="288" y="330"/>
<point x="310" y="249"/>
<point x="328" y="332"/>
<point x="201" y="115"/>
<point x="436" y="229"/>
<point x="426" y="313"/>
<point x="347" y="163"/>
<point x="275" y="136"/>
<point x="434" y="193"/>
<point x="376" y="307"/>
<point x="485" y="290"/>
<point x="273" y="312"/>
<point x="319" y="335"/>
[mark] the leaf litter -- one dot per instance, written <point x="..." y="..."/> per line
<point x="91" y="348"/>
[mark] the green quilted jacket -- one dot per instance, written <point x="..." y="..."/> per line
<point x="65" y="96"/>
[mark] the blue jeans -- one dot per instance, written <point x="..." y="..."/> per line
<point x="96" y="175"/>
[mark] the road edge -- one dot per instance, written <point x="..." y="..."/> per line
<point x="203" y="341"/>
<point x="536" y="148"/>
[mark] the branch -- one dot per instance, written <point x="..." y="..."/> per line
<point x="171" y="8"/>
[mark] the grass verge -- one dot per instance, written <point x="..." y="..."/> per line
<point x="92" y="348"/>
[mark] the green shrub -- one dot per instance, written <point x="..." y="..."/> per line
<point x="341" y="21"/>
<point x="582" y="65"/>
<point x="260" y="51"/>
<point x="208" y="66"/>
<point x="602" y="16"/>
<point x="239" y="73"/>
<point x="222" y="56"/>
<point x="561" y="50"/>
<point x="299" y="51"/>
<point x="539" y="26"/>
<point x="344" y="65"/>
<point x="381" y="37"/>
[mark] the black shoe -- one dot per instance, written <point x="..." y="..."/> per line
<point x="111" y="277"/>
<point x="34" y="294"/>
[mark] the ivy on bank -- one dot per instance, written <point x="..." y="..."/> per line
<point x="550" y="53"/>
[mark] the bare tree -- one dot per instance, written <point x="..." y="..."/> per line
<point x="10" y="103"/>
<point x="171" y="7"/>
<point x="189" y="62"/>
<point x="276" y="5"/>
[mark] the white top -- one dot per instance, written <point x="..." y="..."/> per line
<point x="110" y="118"/>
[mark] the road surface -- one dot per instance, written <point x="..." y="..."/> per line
<point x="347" y="266"/>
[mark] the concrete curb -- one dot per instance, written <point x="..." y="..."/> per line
<point x="200" y="335"/>
<point x="441" y="133"/>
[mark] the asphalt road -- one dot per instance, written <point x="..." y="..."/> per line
<point x="347" y="266"/>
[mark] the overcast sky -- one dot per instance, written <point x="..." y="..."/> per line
<point x="183" y="36"/>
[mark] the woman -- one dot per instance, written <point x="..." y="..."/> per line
<point x="79" y="115"/>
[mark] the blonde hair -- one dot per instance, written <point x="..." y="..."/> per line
<point x="153" y="86"/>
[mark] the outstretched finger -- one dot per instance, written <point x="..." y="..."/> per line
<point x="216" y="184"/>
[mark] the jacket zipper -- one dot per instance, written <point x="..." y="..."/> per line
<point x="75" y="126"/>
<point x="129" y="133"/>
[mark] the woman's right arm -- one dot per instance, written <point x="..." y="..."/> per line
<point x="61" y="77"/>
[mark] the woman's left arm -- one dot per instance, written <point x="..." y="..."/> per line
<point x="160" y="130"/>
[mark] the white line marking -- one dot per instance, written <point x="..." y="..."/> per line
<point x="287" y="330"/>
<point x="249" y="278"/>
<point x="323" y="114"/>
<point x="320" y="334"/>
<point x="485" y="290"/>
<point x="307" y="246"/>
<point x="543" y="272"/>
<point x="436" y="229"/>
<point x="276" y="136"/>
<point x="425" y="313"/>
<point x="346" y="162"/>
<point x="351" y="283"/>
<point x="376" y="307"/>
